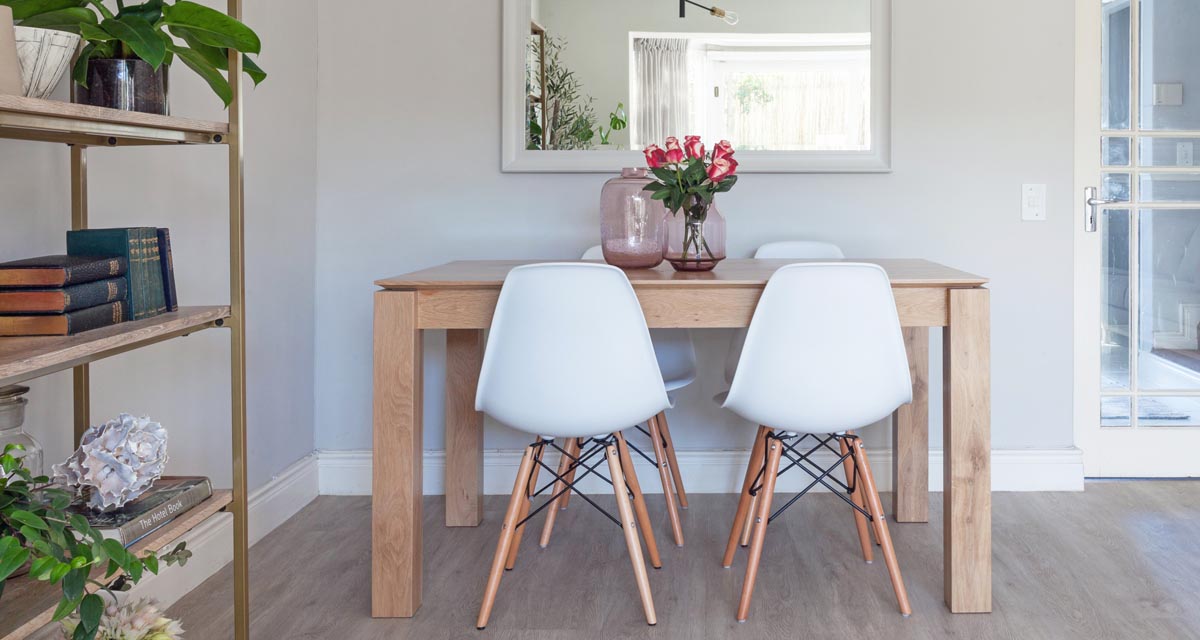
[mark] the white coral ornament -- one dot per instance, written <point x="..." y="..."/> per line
<point x="118" y="460"/>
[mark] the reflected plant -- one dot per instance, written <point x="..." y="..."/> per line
<point x="570" y="120"/>
<point x="616" y="122"/>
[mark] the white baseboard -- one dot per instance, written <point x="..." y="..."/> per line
<point x="718" y="471"/>
<point x="211" y="543"/>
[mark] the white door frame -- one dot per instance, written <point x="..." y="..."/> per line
<point x="1112" y="451"/>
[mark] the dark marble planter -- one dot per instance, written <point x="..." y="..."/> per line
<point x="130" y="85"/>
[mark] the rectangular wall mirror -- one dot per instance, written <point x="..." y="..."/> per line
<point x="794" y="85"/>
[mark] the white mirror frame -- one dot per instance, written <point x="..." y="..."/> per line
<point x="517" y="159"/>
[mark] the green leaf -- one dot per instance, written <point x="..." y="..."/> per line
<point x="29" y="519"/>
<point x="23" y="9"/>
<point x="73" y="583"/>
<point x="152" y="563"/>
<point x="218" y="56"/>
<point x="93" y="33"/>
<point x="70" y="20"/>
<point x="41" y="567"/>
<point x="666" y="175"/>
<point x="60" y="570"/>
<point x="150" y="11"/>
<point x="215" y="79"/>
<point x="65" y="607"/>
<point x="13" y="560"/>
<point x="79" y="72"/>
<point x="212" y="27"/>
<point x="140" y="36"/>
<point x="90" y="610"/>
<point x="257" y="75"/>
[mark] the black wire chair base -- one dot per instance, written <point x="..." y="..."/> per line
<point x="820" y="475"/>
<point x="589" y="448"/>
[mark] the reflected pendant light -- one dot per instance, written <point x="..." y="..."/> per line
<point x="729" y="17"/>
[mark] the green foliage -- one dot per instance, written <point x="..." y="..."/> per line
<point x="616" y="122"/>
<point x="570" y="120"/>
<point x="153" y="31"/>
<point x="751" y="91"/>
<point x="62" y="548"/>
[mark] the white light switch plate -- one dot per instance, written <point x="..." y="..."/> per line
<point x="1033" y="202"/>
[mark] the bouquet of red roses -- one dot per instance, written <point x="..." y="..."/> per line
<point x="687" y="179"/>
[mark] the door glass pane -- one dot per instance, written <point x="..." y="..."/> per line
<point x="1169" y="187"/>
<point x="1170" y="78"/>
<point x="1160" y="411"/>
<point x="1115" y="152"/>
<point x="1168" y="152"/>
<point x="1115" y="186"/>
<point x="1168" y="299"/>
<point x="1114" y="299"/>
<point x="1114" y="411"/>
<point x="1114" y="56"/>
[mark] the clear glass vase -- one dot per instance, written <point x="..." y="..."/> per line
<point x="630" y="222"/>
<point x="12" y="417"/>
<point x="695" y="239"/>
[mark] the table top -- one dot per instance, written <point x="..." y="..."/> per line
<point x="489" y="274"/>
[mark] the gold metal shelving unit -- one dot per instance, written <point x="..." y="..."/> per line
<point x="27" y="605"/>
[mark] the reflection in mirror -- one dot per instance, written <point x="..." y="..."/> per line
<point x="791" y="75"/>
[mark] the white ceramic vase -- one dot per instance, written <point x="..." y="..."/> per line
<point x="45" y="55"/>
<point x="10" y="67"/>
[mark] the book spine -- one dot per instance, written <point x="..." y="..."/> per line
<point x="137" y="528"/>
<point x="154" y="280"/>
<point x="143" y="306"/>
<point x="167" y="261"/>
<point x="80" y="296"/>
<point x="104" y="315"/>
<point x="92" y="271"/>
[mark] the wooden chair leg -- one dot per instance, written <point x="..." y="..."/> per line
<point x="675" y="472"/>
<point x="639" y="502"/>
<point x="860" y="521"/>
<point x="511" y="517"/>
<point x="774" y="451"/>
<point x="885" y="539"/>
<point x="574" y="449"/>
<point x="520" y="531"/>
<point x="665" y="476"/>
<point x="564" y="463"/>
<point x="745" y="500"/>
<point x="629" y="527"/>
<point x="748" y="525"/>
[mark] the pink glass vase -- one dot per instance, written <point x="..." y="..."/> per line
<point x="630" y="222"/>
<point x="695" y="238"/>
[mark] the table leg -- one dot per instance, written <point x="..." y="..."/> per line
<point x="396" y="477"/>
<point x="464" y="429"/>
<point x="967" y="436"/>
<point x="910" y="453"/>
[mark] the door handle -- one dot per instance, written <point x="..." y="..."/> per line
<point x="1091" y="207"/>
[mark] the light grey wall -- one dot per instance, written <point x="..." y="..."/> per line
<point x="597" y="34"/>
<point x="409" y="132"/>
<point x="185" y="383"/>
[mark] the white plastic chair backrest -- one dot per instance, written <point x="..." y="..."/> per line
<point x="673" y="347"/>
<point x="824" y="352"/>
<point x="800" y="250"/>
<point x="786" y="249"/>
<point x="569" y="354"/>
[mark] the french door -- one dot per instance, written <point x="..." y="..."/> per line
<point x="1137" y="242"/>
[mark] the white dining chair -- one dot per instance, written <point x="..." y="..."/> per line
<point x="824" y="354"/>
<point x="569" y="356"/>
<point x="677" y="361"/>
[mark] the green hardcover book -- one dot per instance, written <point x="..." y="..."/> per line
<point x="154" y="270"/>
<point x="130" y="243"/>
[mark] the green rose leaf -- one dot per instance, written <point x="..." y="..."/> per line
<point x="212" y="27"/>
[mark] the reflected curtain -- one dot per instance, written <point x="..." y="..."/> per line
<point x="662" y="89"/>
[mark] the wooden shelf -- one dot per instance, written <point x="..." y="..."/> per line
<point x="27" y="358"/>
<point x="57" y="121"/>
<point x="28" y="605"/>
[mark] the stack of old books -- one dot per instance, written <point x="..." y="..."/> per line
<point x="108" y="276"/>
<point x="169" y="499"/>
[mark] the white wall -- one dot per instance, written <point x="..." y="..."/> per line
<point x="409" y="178"/>
<point x="185" y="383"/>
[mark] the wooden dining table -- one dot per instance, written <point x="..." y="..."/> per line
<point x="460" y="298"/>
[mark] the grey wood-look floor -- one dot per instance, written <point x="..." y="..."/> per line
<point x="1121" y="560"/>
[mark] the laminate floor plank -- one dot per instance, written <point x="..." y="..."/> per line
<point x="1120" y="560"/>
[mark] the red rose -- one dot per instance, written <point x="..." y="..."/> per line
<point x="674" y="151"/>
<point x="722" y="150"/>
<point x="693" y="146"/>
<point x="721" y="167"/>
<point x="655" y="156"/>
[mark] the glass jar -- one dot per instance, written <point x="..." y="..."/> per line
<point x="12" y="416"/>
<point x="695" y="236"/>
<point x="630" y="222"/>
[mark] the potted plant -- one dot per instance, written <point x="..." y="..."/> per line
<point x="39" y="537"/>
<point x="570" y="120"/>
<point x="126" y="53"/>
<point x="616" y="121"/>
<point x="687" y="182"/>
